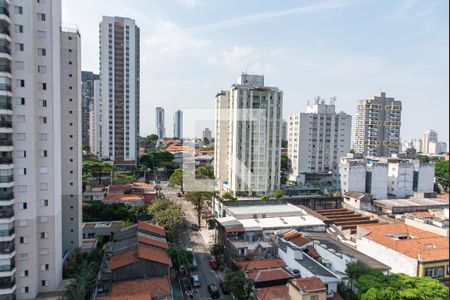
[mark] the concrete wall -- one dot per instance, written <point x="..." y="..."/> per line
<point x="379" y="181"/>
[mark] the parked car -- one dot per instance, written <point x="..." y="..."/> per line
<point x="195" y="227"/>
<point x="224" y="288"/>
<point x="193" y="264"/>
<point x="195" y="281"/>
<point x="213" y="264"/>
<point x="213" y="291"/>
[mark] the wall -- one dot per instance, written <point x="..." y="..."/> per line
<point x="294" y="294"/>
<point x="427" y="227"/>
<point x="379" y="182"/>
<point x="338" y="264"/>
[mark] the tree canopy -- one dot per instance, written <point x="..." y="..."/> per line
<point x="199" y="200"/>
<point x="441" y="172"/>
<point x="167" y="215"/>
<point x="239" y="285"/>
<point x="176" y="179"/>
<point x="278" y="193"/>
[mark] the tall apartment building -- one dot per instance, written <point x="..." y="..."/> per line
<point x="437" y="147"/>
<point x="120" y="88"/>
<point x="284" y="130"/>
<point x="88" y="91"/>
<point x="248" y="137"/>
<point x="95" y="119"/>
<point x="71" y="140"/>
<point x="378" y="123"/>
<point x="207" y="134"/>
<point x="317" y="140"/>
<point x="31" y="137"/>
<point x="428" y="137"/>
<point x="178" y="124"/>
<point x="160" y="123"/>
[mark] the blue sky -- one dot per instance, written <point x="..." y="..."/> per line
<point x="191" y="49"/>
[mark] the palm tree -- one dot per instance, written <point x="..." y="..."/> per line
<point x="199" y="200"/>
<point x="82" y="285"/>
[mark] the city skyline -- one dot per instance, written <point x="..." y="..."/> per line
<point x="306" y="60"/>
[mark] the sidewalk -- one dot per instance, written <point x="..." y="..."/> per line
<point x="207" y="237"/>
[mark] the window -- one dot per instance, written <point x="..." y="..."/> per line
<point x="18" y="29"/>
<point x="40" y="17"/>
<point x="45" y="283"/>
<point x="22" y="171"/>
<point x="20" y="100"/>
<point x="435" y="272"/>
<point x="44" y="219"/>
<point x="40" y="1"/>
<point x="42" y="69"/>
<point x="25" y="290"/>
<point x="42" y="136"/>
<point x="21" y="153"/>
<point x="314" y="297"/>
<point x="44" y="251"/>
<point x="44" y="203"/>
<point x="43" y="120"/>
<point x="23" y="240"/>
<point x="44" y="235"/>
<point x="42" y="103"/>
<point x="45" y="267"/>
<point x="18" y="10"/>
<point x="18" y="46"/>
<point x="23" y="223"/>
<point x="41" y="35"/>
<point x="23" y="205"/>
<point x="24" y="273"/>
<point x="43" y="170"/>
<point x="22" y="188"/>
<point x="42" y="86"/>
<point x="20" y="118"/>
<point x="20" y="136"/>
<point x="20" y="65"/>
<point x="41" y="51"/>
<point x="20" y="83"/>
<point x="43" y="186"/>
<point x="42" y="153"/>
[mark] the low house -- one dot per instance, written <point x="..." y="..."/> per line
<point x="135" y="194"/>
<point x="358" y="201"/>
<point x="302" y="259"/>
<point x="427" y="221"/>
<point x="94" y="192"/>
<point x="92" y="230"/>
<point x="266" y="272"/>
<point x="310" y="288"/>
<point x="405" y="249"/>
<point x="401" y="206"/>
<point x="157" y="288"/>
<point x="137" y="252"/>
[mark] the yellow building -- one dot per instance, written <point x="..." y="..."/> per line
<point x="310" y="288"/>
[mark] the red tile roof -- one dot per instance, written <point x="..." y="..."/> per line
<point x="296" y="238"/>
<point x="261" y="264"/>
<point x="279" y="292"/>
<point x="149" y="227"/>
<point x="123" y="259"/>
<point x="154" y="254"/>
<point x="313" y="252"/>
<point x="153" y="242"/>
<point x="140" y="289"/>
<point x="422" y="214"/>
<point x="421" y="245"/>
<point x="268" y="274"/>
<point x="309" y="284"/>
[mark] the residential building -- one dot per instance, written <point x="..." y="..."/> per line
<point x="427" y="221"/>
<point x="437" y="147"/>
<point x="417" y="144"/>
<point x="317" y="140"/>
<point x="384" y="177"/>
<point x="178" y="125"/>
<point x="401" y="206"/>
<point x="207" y="134"/>
<point x="71" y="139"/>
<point x="307" y="288"/>
<point x="248" y="137"/>
<point x="406" y="249"/>
<point x="284" y="130"/>
<point x="378" y="121"/>
<point x="90" y="88"/>
<point x="93" y="230"/>
<point x="120" y="90"/>
<point x="31" y="147"/>
<point x="428" y="136"/>
<point x="160" y="123"/>
<point x="135" y="194"/>
<point x="91" y="111"/>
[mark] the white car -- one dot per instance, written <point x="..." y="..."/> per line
<point x="195" y="281"/>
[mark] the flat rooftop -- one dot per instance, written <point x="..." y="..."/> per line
<point x="412" y="202"/>
<point x="269" y="208"/>
<point x="269" y="223"/>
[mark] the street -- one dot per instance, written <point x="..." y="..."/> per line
<point x="192" y="239"/>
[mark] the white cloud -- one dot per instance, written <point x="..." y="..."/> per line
<point x="169" y="38"/>
<point x="191" y="3"/>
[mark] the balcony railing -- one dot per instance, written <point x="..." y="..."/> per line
<point x="6" y="196"/>
<point x="8" y="232"/>
<point x="9" y="213"/>
<point x="5" y="68"/>
<point x="7" y="247"/>
<point x="6" y="179"/>
<point x="7" y="268"/>
<point x="6" y="142"/>
<point x="4" y="49"/>
<point x="3" y="86"/>
<point x="7" y="284"/>
<point x="4" y="11"/>
<point x="6" y="160"/>
<point x="6" y="124"/>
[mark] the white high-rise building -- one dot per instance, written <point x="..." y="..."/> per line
<point x="417" y="144"/>
<point x="34" y="175"/>
<point x="248" y="137"/>
<point x="120" y="88"/>
<point x="378" y="121"/>
<point x="317" y="139"/>
<point x="95" y="119"/>
<point x="207" y="134"/>
<point x="178" y="124"/>
<point x="428" y="137"/>
<point x="160" y="123"/>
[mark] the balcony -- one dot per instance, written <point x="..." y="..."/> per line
<point x="3" y="86"/>
<point x="5" y="49"/>
<point x="4" y="10"/>
<point x="6" y="160"/>
<point x="7" y="247"/>
<point x="6" y="196"/>
<point x="5" y="124"/>
<point x="6" y="213"/>
<point x="6" y="179"/>
<point x="7" y="282"/>
<point x="7" y="232"/>
<point x="5" y="68"/>
<point x="5" y="104"/>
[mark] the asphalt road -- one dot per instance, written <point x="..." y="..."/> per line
<point x="192" y="239"/>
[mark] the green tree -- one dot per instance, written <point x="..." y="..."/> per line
<point x="82" y="285"/>
<point x="86" y="148"/>
<point x="239" y="285"/>
<point x="264" y="197"/>
<point x="285" y="162"/>
<point x="353" y="271"/>
<point x="278" y="193"/>
<point x="179" y="256"/>
<point x="167" y="215"/>
<point x="96" y="169"/>
<point x="229" y="196"/>
<point x="176" y="179"/>
<point x="204" y="173"/>
<point x="441" y="173"/>
<point x="199" y="200"/>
